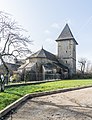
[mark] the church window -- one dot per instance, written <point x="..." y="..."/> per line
<point x="66" y="61"/>
<point x="74" y="49"/>
<point x="66" y="51"/>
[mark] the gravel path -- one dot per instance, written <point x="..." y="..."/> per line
<point x="74" y="105"/>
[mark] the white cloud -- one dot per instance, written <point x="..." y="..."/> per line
<point x="47" y="32"/>
<point x="49" y="40"/>
<point x="55" y="25"/>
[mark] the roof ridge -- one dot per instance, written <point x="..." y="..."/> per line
<point x="43" y="54"/>
<point x="42" y="50"/>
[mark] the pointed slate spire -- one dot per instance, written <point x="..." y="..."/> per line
<point x="66" y="34"/>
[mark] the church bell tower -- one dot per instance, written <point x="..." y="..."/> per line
<point x="67" y="49"/>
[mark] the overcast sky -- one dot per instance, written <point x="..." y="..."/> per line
<point x="45" y="19"/>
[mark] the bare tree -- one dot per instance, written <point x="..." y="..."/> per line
<point x="82" y="63"/>
<point x="91" y="68"/>
<point x="88" y="66"/>
<point x="12" y="42"/>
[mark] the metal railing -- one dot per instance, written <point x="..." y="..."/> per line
<point x="36" y="77"/>
<point x="40" y="76"/>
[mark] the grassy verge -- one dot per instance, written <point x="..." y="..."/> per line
<point x="14" y="93"/>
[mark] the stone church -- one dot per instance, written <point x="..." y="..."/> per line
<point x="45" y="65"/>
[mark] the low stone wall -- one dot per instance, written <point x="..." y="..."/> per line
<point x="15" y="104"/>
<point x="29" y="83"/>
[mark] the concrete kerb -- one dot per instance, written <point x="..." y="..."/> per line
<point x="18" y="102"/>
<point x="13" y="106"/>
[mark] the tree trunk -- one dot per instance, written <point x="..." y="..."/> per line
<point x="6" y="68"/>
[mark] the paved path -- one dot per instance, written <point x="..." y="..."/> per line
<point x="74" y="105"/>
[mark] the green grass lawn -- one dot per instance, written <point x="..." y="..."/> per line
<point x="14" y="93"/>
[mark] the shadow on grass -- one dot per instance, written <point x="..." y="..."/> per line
<point x="13" y="93"/>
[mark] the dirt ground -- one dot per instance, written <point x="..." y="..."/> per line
<point x="73" y="105"/>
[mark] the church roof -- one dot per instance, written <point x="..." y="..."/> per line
<point x="44" y="54"/>
<point x="66" y="34"/>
